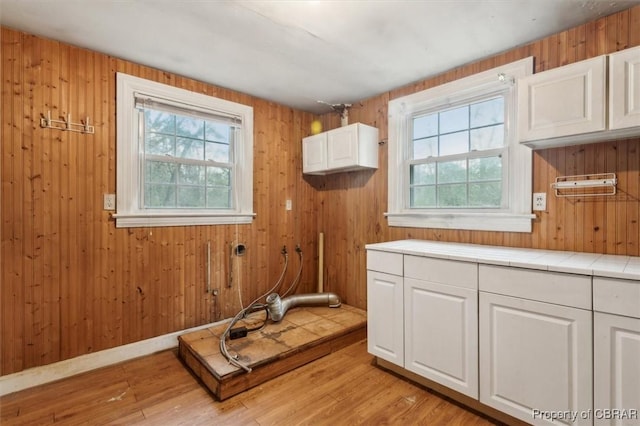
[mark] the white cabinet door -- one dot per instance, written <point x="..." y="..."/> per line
<point x="385" y="316"/>
<point x="564" y="101"/>
<point x="616" y="370"/>
<point x="624" y="89"/>
<point x="352" y="147"/>
<point x="342" y="147"/>
<point x="441" y="334"/>
<point x="314" y="153"/>
<point x="535" y="358"/>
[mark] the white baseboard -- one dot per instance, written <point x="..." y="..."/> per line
<point x="70" y="367"/>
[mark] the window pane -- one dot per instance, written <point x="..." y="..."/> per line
<point x="452" y="195"/>
<point x="485" y="194"/>
<point x="487" y="137"/>
<point x="423" y="174"/>
<point x="218" y="198"/>
<point x="189" y="127"/>
<point x="424" y="148"/>
<point x="158" y="196"/>
<point x="217" y="152"/>
<point x="217" y="132"/>
<point x="218" y="176"/>
<point x="159" y="122"/>
<point x="452" y="171"/>
<point x="454" y="143"/>
<point x="423" y="196"/>
<point x="159" y="144"/>
<point x="160" y="172"/>
<point x="425" y="126"/>
<point x="489" y="168"/>
<point x="454" y="120"/>
<point x="192" y="175"/>
<point x="190" y="148"/>
<point x="190" y="196"/>
<point x="487" y="112"/>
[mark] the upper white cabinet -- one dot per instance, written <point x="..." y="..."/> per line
<point x="346" y="148"/>
<point x="569" y="105"/>
<point x="314" y="153"/>
<point x="624" y="89"/>
<point x="562" y="102"/>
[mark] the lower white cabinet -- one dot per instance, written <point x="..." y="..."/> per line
<point x="616" y="370"/>
<point x="616" y="335"/>
<point x="535" y="358"/>
<point x="385" y="316"/>
<point x="426" y="320"/>
<point x="441" y="334"/>
<point x="543" y="346"/>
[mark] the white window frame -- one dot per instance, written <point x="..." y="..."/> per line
<point x="129" y="167"/>
<point x="516" y="214"/>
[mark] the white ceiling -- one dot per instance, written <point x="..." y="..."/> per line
<point x="299" y="52"/>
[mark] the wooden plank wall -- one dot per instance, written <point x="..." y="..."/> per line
<point x="72" y="283"/>
<point x="352" y="205"/>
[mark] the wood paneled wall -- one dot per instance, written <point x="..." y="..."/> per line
<point x="72" y="283"/>
<point x="352" y="205"/>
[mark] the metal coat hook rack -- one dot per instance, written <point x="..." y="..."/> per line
<point x="50" y="123"/>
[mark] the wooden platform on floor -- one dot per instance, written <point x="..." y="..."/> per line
<point x="305" y="334"/>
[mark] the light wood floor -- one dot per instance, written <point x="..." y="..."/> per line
<point x="343" y="388"/>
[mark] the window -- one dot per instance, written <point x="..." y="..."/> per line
<point x="457" y="154"/>
<point x="454" y="158"/>
<point x="183" y="158"/>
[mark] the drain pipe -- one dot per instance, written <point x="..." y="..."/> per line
<point x="278" y="307"/>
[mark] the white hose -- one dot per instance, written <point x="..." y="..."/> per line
<point x="223" y="338"/>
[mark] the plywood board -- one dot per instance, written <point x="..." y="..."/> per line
<point x="304" y="334"/>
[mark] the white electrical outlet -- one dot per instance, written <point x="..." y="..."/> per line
<point x="109" y="201"/>
<point x="287" y="205"/>
<point x="539" y="201"/>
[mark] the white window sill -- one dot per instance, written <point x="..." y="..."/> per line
<point x="151" y="220"/>
<point x="505" y="222"/>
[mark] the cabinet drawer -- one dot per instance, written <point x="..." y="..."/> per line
<point x="616" y="296"/>
<point x="452" y="272"/>
<point x="552" y="287"/>
<point x="382" y="261"/>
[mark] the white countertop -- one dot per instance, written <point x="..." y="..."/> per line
<point x="600" y="265"/>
